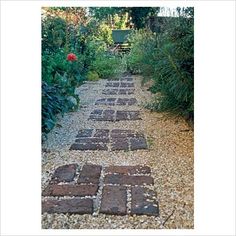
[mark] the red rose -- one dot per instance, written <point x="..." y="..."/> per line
<point x="71" y="57"/>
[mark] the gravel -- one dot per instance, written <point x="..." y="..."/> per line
<point x="170" y="156"/>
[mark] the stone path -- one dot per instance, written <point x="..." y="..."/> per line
<point x="112" y="115"/>
<point x="113" y="190"/>
<point x="124" y="190"/>
<point x="104" y="139"/>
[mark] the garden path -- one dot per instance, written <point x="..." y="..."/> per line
<point x="98" y="163"/>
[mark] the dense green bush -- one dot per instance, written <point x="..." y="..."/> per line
<point x="142" y="56"/>
<point x="167" y="58"/>
<point x="60" y="76"/>
<point x="92" y="76"/>
<point x="108" y="65"/>
<point x="54" y="102"/>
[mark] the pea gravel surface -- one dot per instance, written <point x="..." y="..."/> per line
<point x="170" y="156"/>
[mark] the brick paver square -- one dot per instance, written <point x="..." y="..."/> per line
<point x="90" y="174"/>
<point x="144" y="202"/>
<point x="112" y="84"/>
<point x="125" y="91"/>
<point x="119" y="144"/>
<point x="124" y="84"/>
<point x="104" y="101"/>
<point x="122" y="115"/>
<point x="89" y="146"/>
<point x="71" y="206"/>
<point x="116" y="179"/>
<point x="112" y="115"/>
<point x="102" y="133"/>
<point x="109" y="115"/>
<point x="110" y="91"/>
<point x="116" y="139"/>
<point x="114" y="200"/>
<point x="64" y="173"/>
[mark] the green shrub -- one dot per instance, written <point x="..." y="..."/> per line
<point x="92" y="76"/>
<point x="168" y="59"/>
<point x="55" y="101"/>
<point x="108" y="66"/>
<point x="141" y="57"/>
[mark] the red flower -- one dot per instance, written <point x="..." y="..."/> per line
<point x="71" y="57"/>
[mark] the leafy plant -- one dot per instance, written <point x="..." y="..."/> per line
<point x="108" y="65"/>
<point x="92" y="76"/>
<point x="167" y="58"/>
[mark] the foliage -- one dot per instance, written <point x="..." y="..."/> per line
<point x="142" y="57"/>
<point x="121" y="16"/>
<point x="167" y="58"/>
<point x="61" y="73"/>
<point x="54" y="102"/>
<point x="140" y="15"/>
<point x="53" y="34"/>
<point x="108" y="65"/>
<point x="92" y="76"/>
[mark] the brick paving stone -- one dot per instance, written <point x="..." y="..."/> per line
<point x="102" y="133"/>
<point x="101" y="101"/>
<point x="94" y="140"/>
<point x="126" y="101"/>
<point x="132" y="101"/>
<point x="89" y="146"/>
<point x="118" y="139"/>
<point x="85" y="133"/>
<point x="96" y="114"/>
<point x="90" y="174"/>
<point x="112" y="84"/>
<point x="64" y="173"/>
<point x="105" y="115"/>
<point x="124" y="84"/>
<point x="71" y="190"/>
<point x="144" y="202"/>
<point x="138" y="143"/>
<point x="114" y="200"/>
<point x="111" y="99"/>
<point x="71" y="206"/>
<point x="109" y="115"/>
<point x="122" y="101"/>
<point x="128" y="180"/>
<point x="112" y="115"/>
<point x="106" y="101"/>
<point x="128" y="170"/>
<point x="125" y="91"/>
<point x="121" y="91"/>
<point x="121" y="115"/>
<point x="110" y="91"/>
<point x="119" y="144"/>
